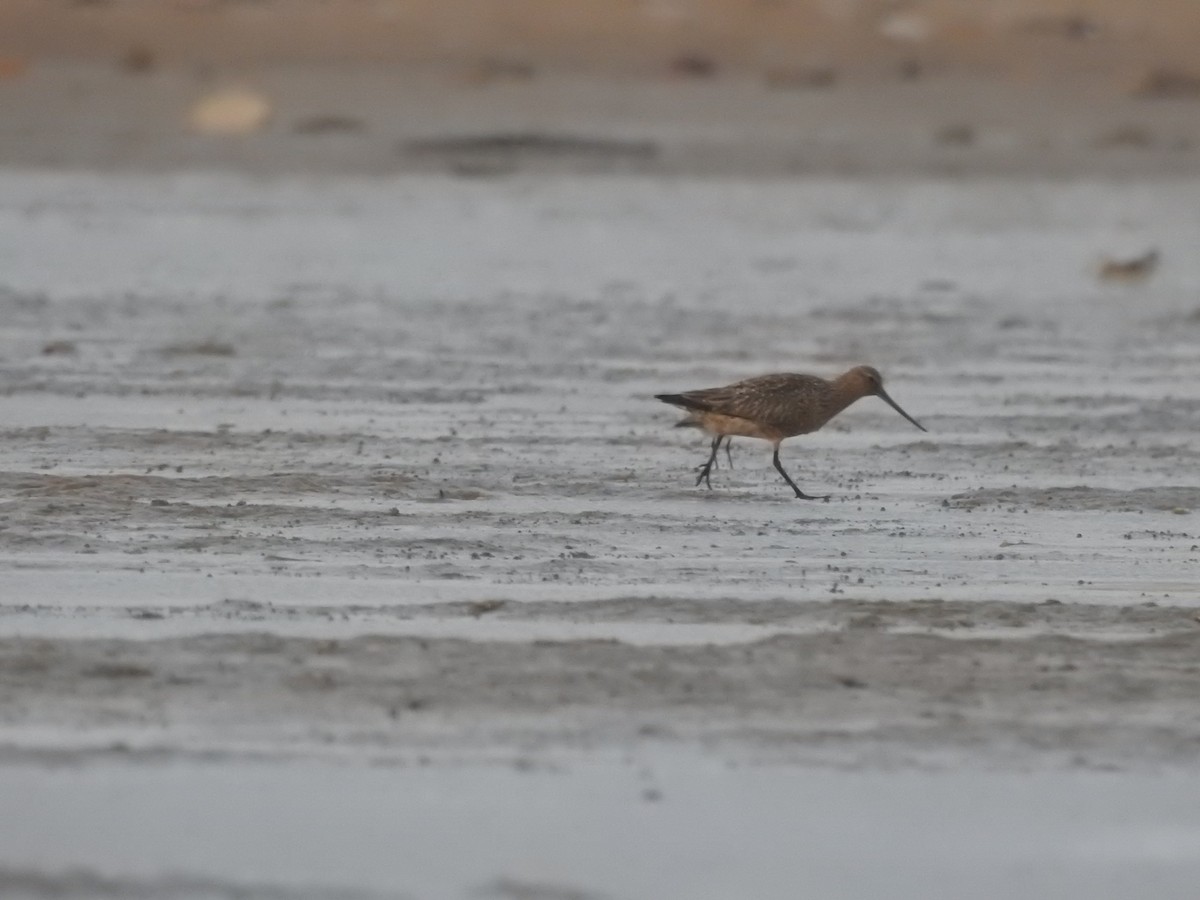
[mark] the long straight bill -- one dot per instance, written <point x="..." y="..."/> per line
<point x="896" y="406"/>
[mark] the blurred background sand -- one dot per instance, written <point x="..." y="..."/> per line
<point x="744" y="86"/>
<point x="1036" y="38"/>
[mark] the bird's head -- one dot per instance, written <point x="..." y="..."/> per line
<point x="871" y="384"/>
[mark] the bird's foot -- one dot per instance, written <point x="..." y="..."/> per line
<point x="704" y="470"/>
<point x="800" y="495"/>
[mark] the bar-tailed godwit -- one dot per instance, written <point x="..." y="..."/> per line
<point x="774" y="408"/>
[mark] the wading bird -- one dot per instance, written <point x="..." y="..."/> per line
<point x="774" y="408"/>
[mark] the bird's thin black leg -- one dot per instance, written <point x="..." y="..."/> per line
<point x="800" y="495"/>
<point x="727" y="439"/>
<point x="706" y="469"/>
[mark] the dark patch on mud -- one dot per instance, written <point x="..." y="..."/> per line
<point x="1083" y="498"/>
<point x="514" y="889"/>
<point x="84" y="884"/>
<point x="504" y="153"/>
<point x="210" y="347"/>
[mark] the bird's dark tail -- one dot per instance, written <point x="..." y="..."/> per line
<point x="692" y="419"/>
<point x="683" y="401"/>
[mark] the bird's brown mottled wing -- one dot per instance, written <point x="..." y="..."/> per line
<point x="784" y="401"/>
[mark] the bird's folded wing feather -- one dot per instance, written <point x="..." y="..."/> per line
<point x="765" y="399"/>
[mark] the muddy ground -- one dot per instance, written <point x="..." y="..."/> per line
<point x="368" y="472"/>
<point x="391" y="450"/>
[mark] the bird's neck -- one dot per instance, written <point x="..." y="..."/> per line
<point x="847" y="389"/>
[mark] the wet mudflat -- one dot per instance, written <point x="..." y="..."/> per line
<point x="369" y="472"/>
<point x="680" y="826"/>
